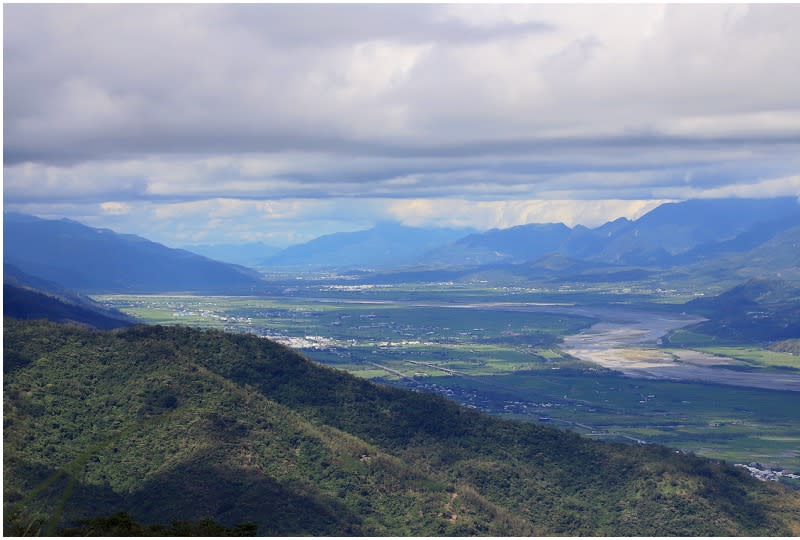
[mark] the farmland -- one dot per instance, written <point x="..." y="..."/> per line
<point x="503" y="351"/>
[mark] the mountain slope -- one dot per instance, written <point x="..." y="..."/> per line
<point x="675" y="228"/>
<point x="756" y="291"/>
<point x="778" y="257"/>
<point x="175" y="423"/>
<point x="29" y="297"/>
<point x="671" y="234"/>
<point x="99" y="260"/>
<point x="247" y="254"/>
<point x="22" y="303"/>
<point x="760" y="310"/>
<point x="384" y="245"/>
<point x="512" y="245"/>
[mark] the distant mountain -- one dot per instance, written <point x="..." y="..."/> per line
<point x="760" y="310"/>
<point x="30" y="297"/>
<point x="778" y="257"/>
<point x="385" y="245"/>
<point x="675" y="228"/>
<point x="16" y="277"/>
<point x="246" y="254"/>
<point x="672" y="234"/>
<point x="755" y="292"/>
<point x="172" y="423"/>
<point x="513" y="245"/>
<point x="30" y="304"/>
<point x="99" y="260"/>
<point x="560" y="268"/>
<point x="757" y="235"/>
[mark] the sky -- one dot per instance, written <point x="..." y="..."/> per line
<point x="214" y="123"/>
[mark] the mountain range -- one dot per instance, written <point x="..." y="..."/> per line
<point x="383" y="246"/>
<point x="724" y="240"/>
<point x="172" y="423"/>
<point x="737" y="237"/>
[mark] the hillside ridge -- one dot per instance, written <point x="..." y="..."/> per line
<point x="175" y="423"/>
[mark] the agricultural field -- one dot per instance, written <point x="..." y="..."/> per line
<point x="755" y="358"/>
<point x="503" y="351"/>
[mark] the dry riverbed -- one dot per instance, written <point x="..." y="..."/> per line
<point x="630" y="346"/>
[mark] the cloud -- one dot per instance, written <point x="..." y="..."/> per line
<point x="286" y="222"/>
<point x="120" y="113"/>
<point x="608" y="173"/>
<point x="84" y="82"/>
<point x="113" y="208"/>
<point x="788" y="186"/>
<point x="504" y="214"/>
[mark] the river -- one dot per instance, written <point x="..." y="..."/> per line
<point x="627" y="341"/>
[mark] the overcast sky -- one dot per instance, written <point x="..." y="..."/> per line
<point x="220" y="123"/>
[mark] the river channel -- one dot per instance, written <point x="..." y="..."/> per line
<point x="627" y="341"/>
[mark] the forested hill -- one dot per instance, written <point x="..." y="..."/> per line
<point x="171" y="423"/>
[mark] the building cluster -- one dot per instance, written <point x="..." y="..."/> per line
<point x="766" y="474"/>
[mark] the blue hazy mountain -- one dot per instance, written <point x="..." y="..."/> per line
<point x="761" y="310"/>
<point x="676" y="228"/>
<point x="30" y="304"/>
<point x="673" y="233"/>
<point x="715" y="238"/>
<point x="92" y="260"/>
<point x="245" y="254"/>
<point x="385" y="245"/>
<point x="30" y="297"/>
<point x="513" y="245"/>
<point x="777" y="258"/>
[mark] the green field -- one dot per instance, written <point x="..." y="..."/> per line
<point x="762" y="358"/>
<point x="711" y="420"/>
<point x="508" y="362"/>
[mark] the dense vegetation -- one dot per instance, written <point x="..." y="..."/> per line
<point x="170" y="423"/>
<point x="122" y="524"/>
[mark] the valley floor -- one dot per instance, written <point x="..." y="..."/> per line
<point x="500" y="350"/>
<point x="631" y="348"/>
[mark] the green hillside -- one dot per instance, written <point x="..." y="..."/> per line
<point x="170" y="423"/>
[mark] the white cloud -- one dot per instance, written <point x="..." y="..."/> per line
<point x="203" y="77"/>
<point x="503" y="214"/>
<point x="115" y="208"/>
<point x="305" y="117"/>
